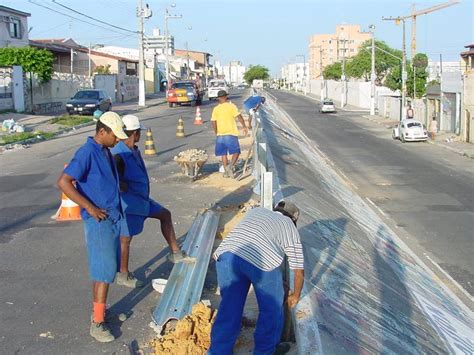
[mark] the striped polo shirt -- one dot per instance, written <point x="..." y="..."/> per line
<point x="262" y="238"/>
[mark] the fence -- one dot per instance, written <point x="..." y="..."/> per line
<point x="6" y="92"/>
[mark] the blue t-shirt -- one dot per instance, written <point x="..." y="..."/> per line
<point x="94" y="171"/>
<point x="252" y="102"/>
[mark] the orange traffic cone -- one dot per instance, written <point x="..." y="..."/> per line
<point x="198" y="119"/>
<point x="68" y="211"/>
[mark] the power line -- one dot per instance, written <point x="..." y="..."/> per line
<point x="93" y="18"/>
<point x="75" y="18"/>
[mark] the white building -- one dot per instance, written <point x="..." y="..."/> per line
<point x="233" y="73"/>
<point x="13" y="27"/>
<point x="435" y="67"/>
<point x="295" y="76"/>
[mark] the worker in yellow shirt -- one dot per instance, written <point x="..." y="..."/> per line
<point x="225" y="127"/>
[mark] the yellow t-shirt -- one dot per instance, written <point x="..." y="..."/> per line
<point x="224" y="115"/>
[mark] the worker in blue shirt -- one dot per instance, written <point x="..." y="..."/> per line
<point x="136" y="202"/>
<point x="251" y="106"/>
<point x="96" y="191"/>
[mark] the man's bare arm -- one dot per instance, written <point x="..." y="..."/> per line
<point x="214" y="126"/>
<point x="294" y="296"/>
<point x="242" y="122"/>
<point x="65" y="184"/>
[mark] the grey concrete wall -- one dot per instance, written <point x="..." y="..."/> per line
<point x="108" y="83"/>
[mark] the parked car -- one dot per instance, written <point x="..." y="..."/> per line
<point x="88" y="101"/>
<point x="215" y="86"/>
<point x="410" y="130"/>
<point x="327" y="106"/>
<point x="184" y="92"/>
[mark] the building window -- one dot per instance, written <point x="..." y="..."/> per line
<point x="352" y="49"/>
<point x="330" y="41"/>
<point x="15" y="28"/>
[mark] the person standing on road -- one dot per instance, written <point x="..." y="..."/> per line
<point x="433" y="128"/>
<point x="410" y="113"/>
<point x="252" y="254"/>
<point x="96" y="191"/>
<point x="251" y="106"/>
<point x="225" y="128"/>
<point x="136" y="202"/>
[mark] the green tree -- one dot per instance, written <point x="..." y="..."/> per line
<point x="417" y="73"/>
<point x="360" y="66"/>
<point x="333" y="71"/>
<point x="36" y="61"/>
<point x="256" y="72"/>
<point x="102" y="69"/>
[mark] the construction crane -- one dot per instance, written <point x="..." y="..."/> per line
<point x="414" y="14"/>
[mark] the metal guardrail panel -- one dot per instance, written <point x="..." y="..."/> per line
<point x="184" y="286"/>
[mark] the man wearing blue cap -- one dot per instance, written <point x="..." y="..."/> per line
<point x="252" y="105"/>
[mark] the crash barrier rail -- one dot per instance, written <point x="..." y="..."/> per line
<point x="186" y="281"/>
<point x="263" y="174"/>
<point x="303" y="329"/>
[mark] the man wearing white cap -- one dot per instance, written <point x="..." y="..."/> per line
<point x="96" y="191"/>
<point x="136" y="202"/>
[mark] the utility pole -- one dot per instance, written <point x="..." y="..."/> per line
<point x="141" y="15"/>
<point x="90" y="72"/>
<point x="167" y="63"/>
<point x="372" y="73"/>
<point x="343" y="77"/>
<point x="404" y="64"/>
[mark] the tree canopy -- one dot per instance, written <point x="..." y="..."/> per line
<point x="256" y="72"/>
<point x="36" y="61"/>
<point x="333" y="71"/>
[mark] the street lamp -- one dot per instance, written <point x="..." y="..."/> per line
<point x="404" y="62"/>
<point x="372" y="73"/>
<point x="304" y="71"/>
<point x="167" y="64"/>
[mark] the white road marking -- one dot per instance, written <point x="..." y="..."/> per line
<point x="377" y="207"/>
<point x="450" y="278"/>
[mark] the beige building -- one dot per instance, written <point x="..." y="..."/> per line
<point x="13" y="27"/>
<point x="325" y="49"/>
<point x="467" y="112"/>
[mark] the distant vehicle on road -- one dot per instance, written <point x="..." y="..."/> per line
<point x="215" y="86"/>
<point x="88" y="101"/>
<point x="184" y="92"/>
<point x="257" y="83"/>
<point x="410" y="130"/>
<point x="327" y="106"/>
<point x="242" y="86"/>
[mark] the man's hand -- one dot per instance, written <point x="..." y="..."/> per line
<point x="123" y="186"/>
<point x="97" y="213"/>
<point x="292" y="300"/>
<point x="246" y="131"/>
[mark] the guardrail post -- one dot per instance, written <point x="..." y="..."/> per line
<point x="267" y="191"/>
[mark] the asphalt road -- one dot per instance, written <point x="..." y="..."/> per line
<point x="427" y="192"/>
<point x="45" y="296"/>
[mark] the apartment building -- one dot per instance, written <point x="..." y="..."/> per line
<point x="325" y="49"/>
<point x="13" y="27"/>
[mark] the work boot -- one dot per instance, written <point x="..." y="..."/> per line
<point x="229" y="169"/>
<point x="180" y="257"/>
<point x="128" y="279"/>
<point x="101" y="333"/>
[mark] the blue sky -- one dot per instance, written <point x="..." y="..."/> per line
<point x="267" y="32"/>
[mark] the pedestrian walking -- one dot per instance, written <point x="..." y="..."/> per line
<point x="122" y="92"/>
<point x="433" y="128"/>
<point x="252" y="105"/>
<point x="91" y="180"/>
<point x="136" y="202"/>
<point x="225" y="128"/>
<point x="251" y="255"/>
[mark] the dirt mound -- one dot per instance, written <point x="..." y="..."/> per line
<point x="192" y="334"/>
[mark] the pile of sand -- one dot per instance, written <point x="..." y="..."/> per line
<point x="192" y="334"/>
<point x="231" y="215"/>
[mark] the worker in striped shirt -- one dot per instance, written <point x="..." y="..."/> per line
<point x="252" y="253"/>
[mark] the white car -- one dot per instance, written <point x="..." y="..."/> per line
<point x="327" y="106"/>
<point x="410" y="130"/>
<point x="215" y="86"/>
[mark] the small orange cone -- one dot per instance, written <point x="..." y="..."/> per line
<point x="198" y="119"/>
<point x="68" y="211"/>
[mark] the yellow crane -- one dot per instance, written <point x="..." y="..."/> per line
<point x="414" y="14"/>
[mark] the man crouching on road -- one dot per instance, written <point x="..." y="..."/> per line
<point x="97" y="193"/>
<point x="225" y="127"/>
<point x="252" y="254"/>
<point x="136" y="202"/>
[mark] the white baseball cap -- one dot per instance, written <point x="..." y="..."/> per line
<point x="132" y="123"/>
<point x="114" y="122"/>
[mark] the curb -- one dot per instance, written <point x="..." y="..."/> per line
<point x="460" y="152"/>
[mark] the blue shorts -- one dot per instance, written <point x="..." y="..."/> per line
<point x="227" y="145"/>
<point x="133" y="224"/>
<point x="103" y="248"/>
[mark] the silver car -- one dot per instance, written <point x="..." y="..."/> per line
<point x="327" y="106"/>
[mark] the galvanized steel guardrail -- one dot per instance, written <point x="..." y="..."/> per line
<point x="186" y="281"/>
